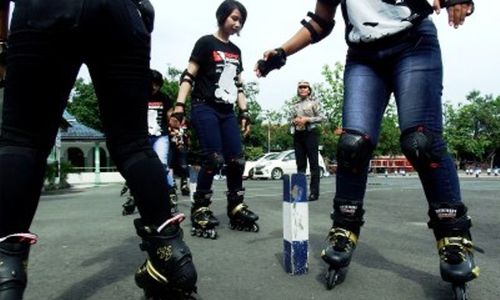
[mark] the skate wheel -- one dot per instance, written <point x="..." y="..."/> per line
<point x="255" y="228"/>
<point x="334" y="277"/>
<point x="460" y="291"/>
<point x="213" y="234"/>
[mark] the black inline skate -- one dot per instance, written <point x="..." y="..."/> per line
<point x="14" y="252"/>
<point x="129" y="206"/>
<point x="451" y="229"/>
<point x="240" y="217"/>
<point x="185" y="187"/>
<point x="342" y="239"/>
<point x="172" y="196"/>
<point x="202" y="218"/>
<point x="168" y="272"/>
<point x="338" y="254"/>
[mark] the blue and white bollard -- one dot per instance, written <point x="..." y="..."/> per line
<point x="295" y="224"/>
<point x="193" y="179"/>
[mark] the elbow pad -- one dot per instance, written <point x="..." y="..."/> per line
<point x="326" y="27"/>
<point x="187" y="77"/>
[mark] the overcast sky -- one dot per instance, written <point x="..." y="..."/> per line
<point x="471" y="53"/>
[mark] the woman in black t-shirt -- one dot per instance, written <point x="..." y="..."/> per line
<point x="214" y="76"/>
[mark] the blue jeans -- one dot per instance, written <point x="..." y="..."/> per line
<point x="412" y="70"/>
<point x="219" y="134"/>
<point x="161" y="145"/>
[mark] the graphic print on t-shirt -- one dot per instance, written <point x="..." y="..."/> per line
<point x="374" y="19"/>
<point x="155" y="118"/>
<point x="226" y="65"/>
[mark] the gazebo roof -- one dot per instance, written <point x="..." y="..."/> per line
<point x="77" y="131"/>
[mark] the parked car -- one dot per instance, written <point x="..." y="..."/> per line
<point x="249" y="165"/>
<point x="284" y="163"/>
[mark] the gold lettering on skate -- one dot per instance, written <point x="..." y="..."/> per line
<point x="164" y="253"/>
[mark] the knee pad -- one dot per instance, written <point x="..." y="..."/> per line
<point x="127" y="154"/>
<point x="417" y="144"/>
<point x="449" y="219"/>
<point x="213" y="162"/>
<point x="348" y="214"/>
<point x="237" y="164"/>
<point x="354" y="150"/>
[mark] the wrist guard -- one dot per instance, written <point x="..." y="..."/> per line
<point x="244" y="115"/>
<point x="448" y="3"/>
<point x="178" y="115"/>
<point x="272" y="63"/>
<point x="326" y="27"/>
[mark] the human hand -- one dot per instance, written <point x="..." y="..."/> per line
<point x="458" y="10"/>
<point x="272" y="59"/>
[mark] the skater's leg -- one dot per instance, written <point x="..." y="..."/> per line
<point x="202" y="218"/>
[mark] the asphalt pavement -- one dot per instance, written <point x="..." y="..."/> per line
<point x="88" y="250"/>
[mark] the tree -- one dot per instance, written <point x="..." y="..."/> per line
<point x="83" y="105"/>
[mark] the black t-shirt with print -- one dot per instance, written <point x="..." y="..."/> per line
<point x="158" y="106"/>
<point x="220" y="63"/>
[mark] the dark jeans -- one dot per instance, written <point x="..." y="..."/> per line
<point x="48" y="42"/>
<point x="306" y="148"/>
<point x="412" y="70"/>
<point x="218" y="133"/>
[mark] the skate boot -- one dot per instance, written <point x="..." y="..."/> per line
<point x="129" y="206"/>
<point x="240" y="217"/>
<point x="172" y="195"/>
<point x="202" y="218"/>
<point x="168" y="272"/>
<point x="14" y="252"/>
<point x="124" y="190"/>
<point x="342" y="239"/>
<point x="185" y="187"/>
<point x="451" y="224"/>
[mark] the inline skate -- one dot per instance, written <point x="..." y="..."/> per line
<point x="338" y="254"/>
<point x="451" y="225"/>
<point x="168" y="272"/>
<point x="14" y="252"/>
<point x="202" y="218"/>
<point x="342" y="239"/>
<point x="240" y="217"/>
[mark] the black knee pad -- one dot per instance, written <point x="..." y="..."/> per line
<point x="126" y="154"/>
<point x="237" y="164"/>
<point x="449" y="219"/>
<point x="417" y="144"/>
<point x="354" y="150"/>
<point x="348" y="214"/>
<point x="213" y="162"/>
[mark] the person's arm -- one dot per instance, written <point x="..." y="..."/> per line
<point x="185" y="87"/>
<point x="244" y="116"/>
<point x="320" y="26"/>
<point x="4" y="32"/>
<point x="318" y="114"/>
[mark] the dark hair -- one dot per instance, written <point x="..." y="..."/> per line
<point x="226" y="8"/>
<point x="156" y="77"/>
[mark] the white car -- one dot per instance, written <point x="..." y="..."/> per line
<point x="284" y="163"/>
<point x="249" y="165"/>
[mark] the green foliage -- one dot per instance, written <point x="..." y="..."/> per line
<point x="389" y="133"/>
<point x="472" y="131"/>
<point x="83" y="105"/>
<point x="252" y="153"/>
<point x="51" y="175"/>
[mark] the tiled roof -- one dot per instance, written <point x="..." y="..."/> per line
<point x="77" y="131"/>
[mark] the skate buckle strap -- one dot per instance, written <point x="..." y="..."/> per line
<point x="176" y="219"/>
<point x="340" y="232"/>
<point x="154" y="273"/>
<point x="29" y="238"/>
<point x="238" y="207"/>
<point x="458" y="241"/>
